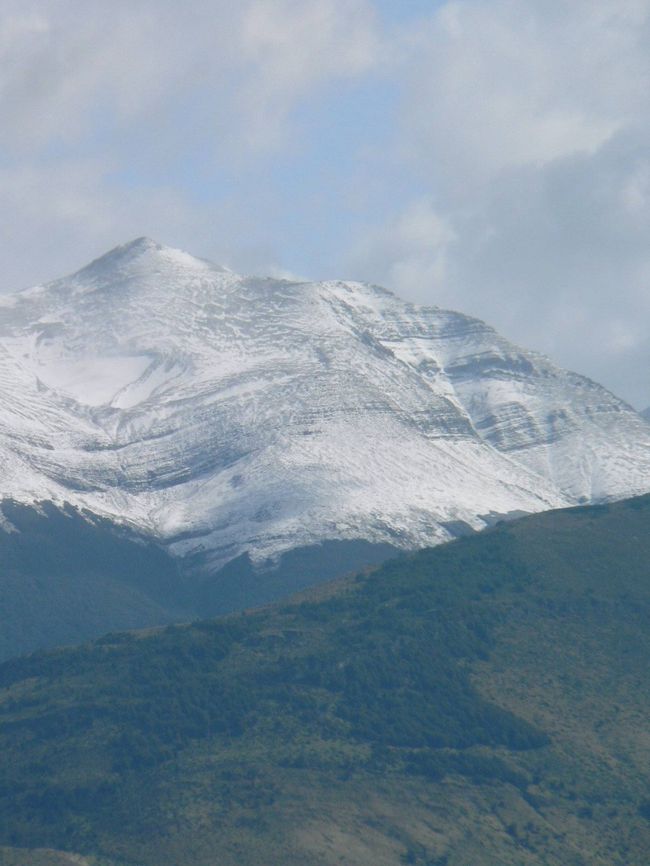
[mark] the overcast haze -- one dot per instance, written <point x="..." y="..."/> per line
<point x="487" y="155"/>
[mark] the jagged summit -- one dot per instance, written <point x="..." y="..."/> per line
<point x="235" y="414"/>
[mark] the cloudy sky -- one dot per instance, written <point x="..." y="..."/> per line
<point x="488" y="155"/>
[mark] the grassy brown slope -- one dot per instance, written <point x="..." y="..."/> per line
<point x="482" y="703"/>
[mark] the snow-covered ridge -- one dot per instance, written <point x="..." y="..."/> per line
<point x="232" y="414"/>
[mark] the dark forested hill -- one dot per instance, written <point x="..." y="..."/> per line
<point x="483" y="702"/>
<point x="68" y="575"/>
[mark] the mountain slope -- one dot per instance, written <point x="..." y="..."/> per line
<point x="234" y="415"/>
<point x="483" y="702"/>
<point x="67" y="576"/>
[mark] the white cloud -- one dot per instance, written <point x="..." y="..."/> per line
<point x="67" y="67"/>
<point x="409" y="253"/>
<point x="507" y="83"/>
<point x="292" y="47"/>
<point x="295" y="43"/>
<point x="77" y="65"/>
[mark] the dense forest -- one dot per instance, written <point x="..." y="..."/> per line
<point x="483" y="702"/>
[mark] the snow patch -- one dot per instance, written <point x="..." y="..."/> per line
<point x="92" y="381"/>
<point x="232" y="415"/>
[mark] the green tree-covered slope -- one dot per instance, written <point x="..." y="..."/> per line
<point x="482" y="703"/>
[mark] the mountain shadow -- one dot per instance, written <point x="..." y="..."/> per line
<point x="67" y="576"/>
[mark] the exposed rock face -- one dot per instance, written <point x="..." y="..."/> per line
<point x="231" y="414"/>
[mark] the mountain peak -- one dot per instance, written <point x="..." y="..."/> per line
<point x="237" y="415"/>
<point x="143" y="242"/>
<point x="146" y="254"/>
<point x="139" y="246"/>
<point x="129" y="250"/>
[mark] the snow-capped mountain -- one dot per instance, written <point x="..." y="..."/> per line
<point x="234" y="414"/>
